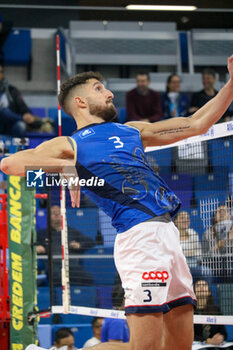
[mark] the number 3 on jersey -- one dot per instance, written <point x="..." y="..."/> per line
<point x="118" y="142"/>
<point x="149" y="297"/>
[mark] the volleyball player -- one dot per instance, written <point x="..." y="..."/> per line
<point x="159" y="297"/>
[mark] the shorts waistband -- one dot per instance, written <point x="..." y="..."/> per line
<point x="166" y="217"/>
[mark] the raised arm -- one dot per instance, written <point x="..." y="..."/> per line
<point x="52" y="155"/>
<point x="176" y="129"/>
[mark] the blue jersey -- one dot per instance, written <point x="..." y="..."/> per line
<point x="132" y="192"/>
<point x="114" y="329"/>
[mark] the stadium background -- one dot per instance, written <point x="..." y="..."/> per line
<point x="30" y="64"/>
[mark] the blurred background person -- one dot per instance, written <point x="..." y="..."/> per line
<point x="189" y="238"/>
<point x="191" y="246"/>
<point x="97" y="324"/>
<point x="210" y="334"/>
<point x="174" y="103"/>
<point x="200" y="98"/>
<point x="64" y="337"/>
<point x="143" y="103"/>
<point x="15" y="116"/>
<point x="78" y="243"/>
<point x="219" y="238"/>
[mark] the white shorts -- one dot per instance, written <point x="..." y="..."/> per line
<point x="153" y="269"/>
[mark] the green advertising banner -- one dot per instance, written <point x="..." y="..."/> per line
<point x="23" y="264"/>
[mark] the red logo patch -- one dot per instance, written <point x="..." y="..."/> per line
<point x="155" y="275"/>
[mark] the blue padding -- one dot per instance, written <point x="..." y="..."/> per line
<point x="45" y="335"/>
<point x="41" y="219"/>
<point x="229" y="330"/>
<point x="36" y="140"/>
<point x="43" y="298"/>
<point x="121" y="114"/>
<point x="41" y="264"/>
<point x="221" y="152"/>
<point x="17" y="48"/>
<point x="62" y="47"/>
<point x="196" y="222"/>
<point x="108" y="232"/>
<point x="211" y="195"/>
<point x="68" y="124"/>
<point x="82" y="332"/>
<point x="185" y="197"/>
<point x="218" y="181"/>
<point x="38" y="111"/>
<point x="225" y="292"/>
<point x="182" y="187"/>
<point x="85" y="296"/>
<point x="184" y="48"/>
<point x="84" y="220"/>
<point x="104" y="297"/>
<point x="80" y="296"/>
<point x="103" y="269"/>
<point x="100" y="250"/>
<point x="42" y="135"/>
<point x="231" y="183"/>
<point x="213" y="288"/>
<point x="163" y="159"/>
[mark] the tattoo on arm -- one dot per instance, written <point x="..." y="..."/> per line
<point x="172" y="131"/>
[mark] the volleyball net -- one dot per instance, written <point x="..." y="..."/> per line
<point x="200" y="172"/>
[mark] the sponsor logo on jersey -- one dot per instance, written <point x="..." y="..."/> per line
<point x="155" y="278"/>
<point x="86" y="133"/>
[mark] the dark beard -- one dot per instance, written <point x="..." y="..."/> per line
<point x="108" y="113"/>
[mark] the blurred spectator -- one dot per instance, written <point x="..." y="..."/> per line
<point x="116" y="330"/>
<point x="64" y="337"/>
<point x="191" y="246"/>
<point x="15" y="116"/>
<point x="78" y="243"/>
<point x="97" y="323"/>
<point x="5" y="28"/>
<point x="200" y="98"/>
<point x="219" y="238"/>
<point x="143" y="103"/>
<point x="189" y="238"/>
<point x="208" y="333"/>
<point x="174" y="104"/>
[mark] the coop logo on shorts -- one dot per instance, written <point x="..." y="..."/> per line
<point x="155" y="278"/>
<point x="35" y="178"/>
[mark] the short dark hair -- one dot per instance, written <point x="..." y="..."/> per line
<point x="76" y="80"/>
<point x="144" y="73"/>
<point x="94" y="321"/>
<point x="169" y="79"/>
<point x="209" y="71"/>
<point x="63" y="333"/>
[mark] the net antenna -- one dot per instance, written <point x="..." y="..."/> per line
<point x="64" y="232"/>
